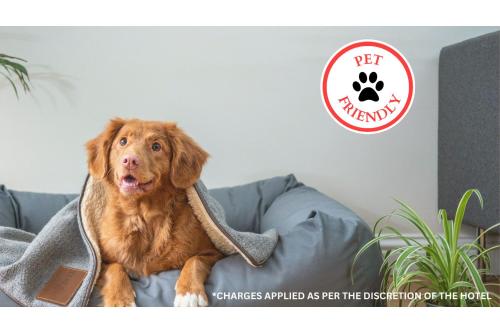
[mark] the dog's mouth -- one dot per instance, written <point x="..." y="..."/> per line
<point x="130" y="184"/>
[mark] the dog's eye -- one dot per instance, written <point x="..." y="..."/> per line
<point x="156" y="146"/>
<point x="123" y="141"/>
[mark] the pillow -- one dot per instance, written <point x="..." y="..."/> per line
<point x="36" y="209"/>
<point x="7" y="209"/>
<point x="297" y="205"/>
<point x="245" y="205"/>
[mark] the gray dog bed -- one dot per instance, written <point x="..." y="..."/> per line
<point x="310" y="265"/>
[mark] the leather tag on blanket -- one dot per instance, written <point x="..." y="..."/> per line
<point x="62" y="285"/>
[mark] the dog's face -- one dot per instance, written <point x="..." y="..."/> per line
<point x="139" y="157"/>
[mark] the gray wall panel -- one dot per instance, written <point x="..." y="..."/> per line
<point x="469" y="123"/>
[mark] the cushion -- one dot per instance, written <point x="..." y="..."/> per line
<point x="297" y="204"/>
<point x="257" y="196"/>
<point x="28" y="210"/>
<point x="8" y="209"/>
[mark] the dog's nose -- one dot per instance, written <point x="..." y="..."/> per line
<point x="130" y="161"/>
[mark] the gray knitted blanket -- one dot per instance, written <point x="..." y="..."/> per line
<point x="30" y="265"/>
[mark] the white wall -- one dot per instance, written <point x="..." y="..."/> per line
<point x="250" y="96"/>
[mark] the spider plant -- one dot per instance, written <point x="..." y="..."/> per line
<point x="436" y="262"/>
<point x="12" y="69"/>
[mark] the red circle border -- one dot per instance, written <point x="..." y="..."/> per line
<point x="389" y="49"/>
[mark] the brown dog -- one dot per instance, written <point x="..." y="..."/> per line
<point x="148" y="225"/>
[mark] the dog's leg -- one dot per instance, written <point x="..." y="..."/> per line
<point x="190" y="287"/>
<point x="116" y="288"/>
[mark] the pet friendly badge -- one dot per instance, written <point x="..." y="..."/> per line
<point x="368" y="86"/>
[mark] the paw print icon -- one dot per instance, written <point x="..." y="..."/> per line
<point x="368" y="86"/>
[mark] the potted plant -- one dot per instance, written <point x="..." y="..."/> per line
<point x="439" y="266"/>
<point x="11" y="69"/>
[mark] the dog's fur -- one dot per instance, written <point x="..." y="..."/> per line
<point x="148" y="225"/>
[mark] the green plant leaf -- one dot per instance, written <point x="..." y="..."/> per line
<point x="409" y="214"/>
<point x="408" y="240"/>
<point x="15" y="71"/>
<point x="459" y="214"/>
<point x="447" y="226"/>
<point x="484" y="233"/>
<point x="379" y="221"/>
<point x="390" y="253"/>
<point x="484" y="254"/>
<point x="446" y="249"/>
<point x="461" y="284"/>
<point x="10" y="57"/>
<point x="398" y="265"/>
<point x="364" y="248"/>
<point x="476" y="277"/>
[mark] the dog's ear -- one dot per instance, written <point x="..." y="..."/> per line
<point x="188" y="157"/>
<point x="98" y="149"/>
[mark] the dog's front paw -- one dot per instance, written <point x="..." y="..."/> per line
<point x="191" y="299"/>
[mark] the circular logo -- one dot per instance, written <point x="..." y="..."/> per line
<point x="368" y="86"/>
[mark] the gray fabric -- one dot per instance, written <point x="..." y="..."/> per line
<point x="255" y="246"/>
<point x="28" y="261"/>
<point x="8" y="212"/>
<point x="296" y="205"/>
<point x="256" y="196"/>
<point x="29" y="211"/>
<point x="35" y="209"/>
<point x="469" y="127"/>
<point x="6" y="301"/>
<point x="318" y="241"/>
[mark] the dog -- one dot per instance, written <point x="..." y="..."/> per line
<point x="147" y="225"/>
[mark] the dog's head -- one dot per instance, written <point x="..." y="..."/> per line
<point x="140" y="157"/>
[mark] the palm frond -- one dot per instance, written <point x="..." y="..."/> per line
<point x="15" y="73"/>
